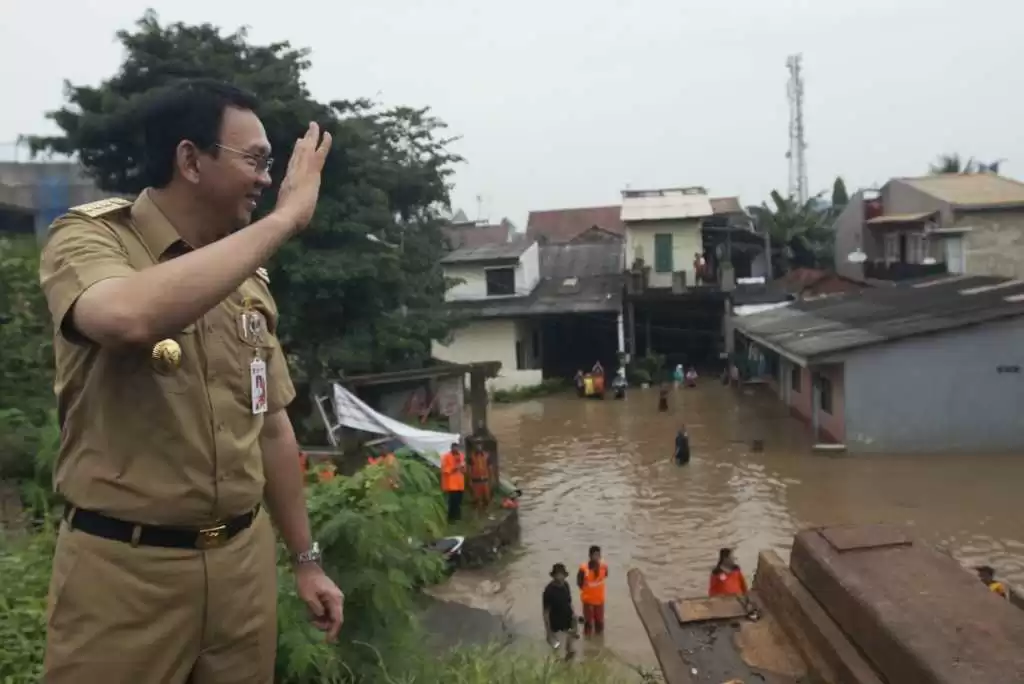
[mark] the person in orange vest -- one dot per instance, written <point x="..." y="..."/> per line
<point x="453" y="480"/>
<point x="390" y="464"/>
<point x="726" y="578"/>
<point x="590" y="579"/>
<point x="988" y="577"/>
<point x="480" y="477"/>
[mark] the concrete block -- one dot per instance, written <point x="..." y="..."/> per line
<point x="915" y="613"/>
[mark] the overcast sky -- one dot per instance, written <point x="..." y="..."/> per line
<point x="563" y="103"/>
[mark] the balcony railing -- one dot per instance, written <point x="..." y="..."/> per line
<point x="902" y="271"/>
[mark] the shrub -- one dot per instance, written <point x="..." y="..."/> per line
<point x="25" y="569"/>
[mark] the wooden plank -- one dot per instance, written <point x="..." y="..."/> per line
<point x="913" y="612"/>
<point x="707" y="608"/>
<point x="673" y="668"/>
<point x="824" y="647"/>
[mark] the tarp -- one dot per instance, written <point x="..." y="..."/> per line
<point x="352" y="412"/>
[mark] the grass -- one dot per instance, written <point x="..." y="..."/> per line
<point x="545" y="388"/>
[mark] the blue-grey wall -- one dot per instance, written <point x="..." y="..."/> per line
<point x="939" y="393"/>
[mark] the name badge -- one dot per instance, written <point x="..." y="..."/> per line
<point x="258" y="385"/>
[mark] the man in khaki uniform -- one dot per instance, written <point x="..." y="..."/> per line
<point x="172" y="389"/>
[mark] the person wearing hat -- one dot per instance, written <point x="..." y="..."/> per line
<point x="559" y="617"/>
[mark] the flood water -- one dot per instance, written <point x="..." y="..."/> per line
<point x="600" y="472"/>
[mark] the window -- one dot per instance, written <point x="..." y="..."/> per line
<point x="892" y="247"/>
<point x="825" y="387"/>
<point x="915" y="248"/>
<point x="663" y="253"/>
<point x="795" y="378"/>
<point x="500" y="281"/>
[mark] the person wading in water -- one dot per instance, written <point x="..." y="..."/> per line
<point x="590" y="579"/>
<point x="682" y="454"/>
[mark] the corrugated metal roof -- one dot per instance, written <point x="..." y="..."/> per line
<point x="476" y="234"/>
<point x="661" y="205"/>
<point x="967" y="190"/>
<point x="597" y="294"/>
<point x="901" y="218"/>
<point x="726" y="205"/>
<point x="581" y="261"/>
<point x="840" y="323"/>
<point x="494" y="252"/>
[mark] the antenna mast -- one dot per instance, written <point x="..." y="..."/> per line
<point x="797" y="144"/>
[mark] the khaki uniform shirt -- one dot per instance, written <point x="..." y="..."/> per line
<point x="178" y="447"/>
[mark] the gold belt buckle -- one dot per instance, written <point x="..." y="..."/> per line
<point x="212" y="537"/>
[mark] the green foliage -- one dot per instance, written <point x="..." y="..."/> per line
<point x="650" y="368"/>
<point x="25" y="569"/>
<point x="954" y="163"/>
<point x="348" y="304"/>
<point x="26" y="359"/>
<point x="802" y="232"/>
<point x="545" y="388"/>
<point x="373" y="537"/>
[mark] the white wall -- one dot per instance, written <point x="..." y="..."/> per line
<point x="527" y="275"/>
<point x="493" y="340"/>
<point x="686" y="241"/>
<point x="528" y="270"/>
<point x="474" y="287"/>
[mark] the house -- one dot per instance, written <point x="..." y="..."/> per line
<point x="931" y="365"/>
<point x="497" y="281"/>
<point x="462" y="234"/>
<point x="33" y="194"/>
<point x="671" y="309"/>
<point x="573" y="226"/>
<point x="945" y="223"/>
<point x="540" y="311"/>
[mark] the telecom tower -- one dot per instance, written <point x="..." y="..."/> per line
<point x="797" y="145"/>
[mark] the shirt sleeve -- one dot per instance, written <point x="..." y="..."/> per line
<point x="546" y="598"/>
<point x="79" y="253"/>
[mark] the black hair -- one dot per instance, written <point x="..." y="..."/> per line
<point x="594" y="549"/>
<point x="191" y="109"/>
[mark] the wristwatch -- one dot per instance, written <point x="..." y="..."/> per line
<point x="312" y="555"/>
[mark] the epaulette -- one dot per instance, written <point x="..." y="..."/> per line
<point x="262" y="274"/>
<point x="101" y="207"/>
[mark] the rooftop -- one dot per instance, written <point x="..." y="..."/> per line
<point x="816" y="329"/>
<point x="508" y="251"/>
<point x="584" y="278"/>
<point x="473" y="234"/>
<point x="559" y="226"/>
<point x="971" y="190"/>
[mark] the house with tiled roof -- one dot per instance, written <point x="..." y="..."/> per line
<point x="945" y="223"/>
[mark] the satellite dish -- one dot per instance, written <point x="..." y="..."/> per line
<point x="857" y="257"/>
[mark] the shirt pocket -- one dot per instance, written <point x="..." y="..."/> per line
<point x="243" y="347"/>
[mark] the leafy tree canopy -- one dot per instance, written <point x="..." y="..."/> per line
<point x="954" y="163"/>
<point x="803" y="232"/>
<point x="349" y="304"/>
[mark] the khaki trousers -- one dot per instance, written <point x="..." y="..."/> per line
<point x="147" y="615"/>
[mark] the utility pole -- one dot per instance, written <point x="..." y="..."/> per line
<point x="797" y="144"/>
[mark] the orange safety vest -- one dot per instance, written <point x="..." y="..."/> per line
<point x="479" y="469"/>
<point x="592" y="593"/>
<point x="731" y="583"/>
<point x="452" y="479"/>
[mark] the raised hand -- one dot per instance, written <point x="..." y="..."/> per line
<point x="301" y="185"/>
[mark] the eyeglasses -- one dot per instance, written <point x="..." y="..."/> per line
<point x="259" y="162"/>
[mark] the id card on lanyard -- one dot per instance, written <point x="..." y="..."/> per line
<point x="258" y="385"/>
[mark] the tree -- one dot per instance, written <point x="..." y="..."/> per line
<point x="802" y="232"/>
<point x="348" y="305"/>
<point x="953" y="163"/>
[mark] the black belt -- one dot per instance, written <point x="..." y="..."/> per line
<point x="100" y="525"/>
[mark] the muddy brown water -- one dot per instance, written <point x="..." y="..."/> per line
<point x="600" y="472"/>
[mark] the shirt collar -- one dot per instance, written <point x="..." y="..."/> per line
<point x="154" y="228"/>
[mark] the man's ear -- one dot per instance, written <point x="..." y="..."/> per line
<point x="187" y="160"/>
